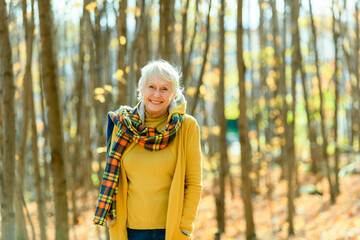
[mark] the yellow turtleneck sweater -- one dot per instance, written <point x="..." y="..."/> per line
<point x="149" y="176"/>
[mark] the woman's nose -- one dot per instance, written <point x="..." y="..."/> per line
<point x="156" y="93"/>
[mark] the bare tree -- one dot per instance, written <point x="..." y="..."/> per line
<point x="278" y="68"/>
<point x="207" y="45"/>
<point x="21" y="232"/>
<point x="291" y="126"/>
<point x="187" y="63"/>
<point x="311" y="134"/>
<point x="357" y="58"/>
<point x="352" y="116"/>
<point x="220" y="196"/>
<point x="322" y="114"/>
<point x="310" y="128"/>
<point x="166" y="44"/>
<point x="256" y="115"/>
<point x="184" y="12"/>
<point x="92" y="83"/>
<point x="29" y="28"/>
<point x="282" y="93"/>
<point x="52" y="95"/>
<point x="19" y="213"/>
<point x="135" y="58"/>
<point x="265" y="88"/>
<point x="169" y="18"/>
<point x="122" y="35"/>
<point x="353" y="62"/>
<point x="24" y="128"/>
<point x="38" y="180"/>
<point x="76" y="158"/>
<point x="337" y="96"/>
<point x="144" y="53"/>
<point x="8" y="107"/>
<point x="243" y="130"/>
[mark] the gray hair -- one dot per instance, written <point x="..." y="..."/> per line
<point x="164" y="70"/>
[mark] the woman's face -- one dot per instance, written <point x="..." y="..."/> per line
<point x="157" y="94"/>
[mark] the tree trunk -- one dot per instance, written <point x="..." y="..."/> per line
<point x="184" y="12"/>
<point x="322" y="114"/>
<point x="9" y="132"/>
<point x="20" y="218"/>
<point x="143" y="53"/>
<point x="310" y="128"/>
<point x="89" y="101"/>
<point x="222" y="122"/>
<point x="100" y="105"/>
<point x="134" y="49"/>
<point x="121" y="31"/>
<point x="357" y="75"/>
<point x="90" y="94"/>
<point x="282" y="93"/>
<point x="262" y="71"/>
<point x="291" y="128"/>
<point x="276" y="39"/>
<point x="243" y="130"/>
<point x="21" y="233"/>
<point x="77" y="156"/>
<point x="307" y="108"/>
<point x="54" y="117"/>
<point x="166" y="45"/>
<point x="207" y="45"/>
<point x="187" y="63"/>
<point x="353" y="116"/>
<point x="38" y="181"/>
<point x="29" y="28"/>
<point x="352" y="112"/>
<point x="169" y="11"/>
<point x="81" y="113"/>
<point x="337" y="97"/>
<point x="279" y="69"/>
<point x="254" y="106"/>
<point x="45" y="135"/>
<point x="80" y="93"/>
<point x="357" y="57"/>
<point x="263" y="76"/>
<point x="161" y="29"/>
<point x="20" y="198"/>
<point x="24" y="129"/>
<point x="276" y="76"/>
<point x="88" y="151"/>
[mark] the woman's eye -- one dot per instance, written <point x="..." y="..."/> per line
<point x="164" y="89"/>
<point x="150" y="86"/>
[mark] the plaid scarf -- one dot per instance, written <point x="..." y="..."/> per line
<point x="130" y="129"/>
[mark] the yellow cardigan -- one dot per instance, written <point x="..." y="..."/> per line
<point x="185" y="190"/>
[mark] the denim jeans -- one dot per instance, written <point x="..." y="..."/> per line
<point x="146" y="234"/>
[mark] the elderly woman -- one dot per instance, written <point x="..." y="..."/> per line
<point x="151" y="186"/>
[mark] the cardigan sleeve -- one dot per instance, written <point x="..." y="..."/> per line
<point x="193" y="176"/>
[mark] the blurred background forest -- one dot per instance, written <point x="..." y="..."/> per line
<point x="274" y="85"/>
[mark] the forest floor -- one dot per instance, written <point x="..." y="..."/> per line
<point x="315" y="217"/>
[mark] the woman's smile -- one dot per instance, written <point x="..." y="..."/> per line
<point x="155" y="102"/>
